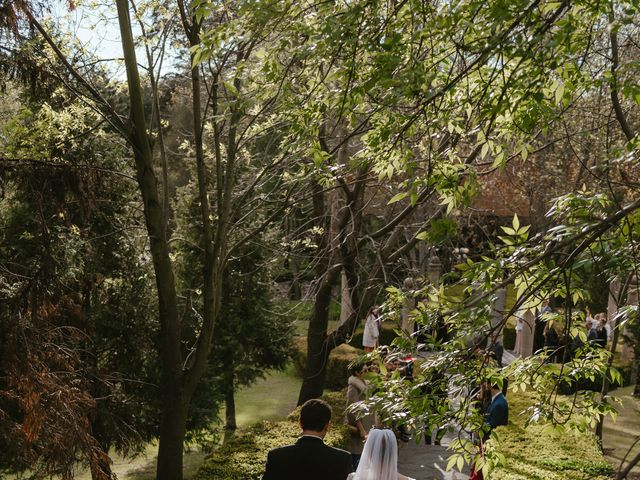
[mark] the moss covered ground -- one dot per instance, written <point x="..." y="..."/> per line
<point x="536" y="452"/>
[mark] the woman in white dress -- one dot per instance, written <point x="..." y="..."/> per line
<point x="371" y="330"/>
<point x="517" y="349"/>
<point x="379" y="459"/>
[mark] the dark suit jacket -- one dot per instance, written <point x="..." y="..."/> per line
<point x="497" y="351"/>
<point x="498" y="413"/>
<point x="308" y="459"/>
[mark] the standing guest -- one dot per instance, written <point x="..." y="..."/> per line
<point x="517" y="349"/>
<point x="592" y="333"/>
<point x="603" y="316"/>
<point x="498" y="412"/>
<point x="358" y="427"/>
<point x="371" y="330"/>
<point x="593" y="322"/>
<point x="601" y="334"/>
<point x="496" y="350"/>
<point x="540" y="322"/>
<point x="309" y="458"/>
<point x="551" y="341"/>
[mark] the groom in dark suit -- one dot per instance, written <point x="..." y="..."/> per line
<point x="309" y="458"/>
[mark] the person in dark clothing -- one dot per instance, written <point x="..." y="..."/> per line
<point x="498" y="411"/>
<point x="309" y="458"/>
<point x="592" y="335"/>
<point x="541" y="322"/>
<point x="551" y="342"/>
<point x="496" y="350"/>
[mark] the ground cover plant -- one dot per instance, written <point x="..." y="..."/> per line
<point x="537" y="452"/>
<point x="245" y="455"/>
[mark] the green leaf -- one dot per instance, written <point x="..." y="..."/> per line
<point x="398" y="197"/>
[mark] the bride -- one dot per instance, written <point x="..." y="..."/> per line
<point x="379" y="459"/>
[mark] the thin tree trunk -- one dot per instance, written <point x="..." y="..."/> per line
<point x="173" y="421"/>
<point x="230" y="402"/>
<point x="295" y="291"/>
<point x="605" y="381"/>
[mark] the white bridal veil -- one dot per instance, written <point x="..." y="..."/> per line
<point x="379" y="459"/>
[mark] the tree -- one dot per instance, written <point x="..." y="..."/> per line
<point x="419" y="96"/>
<point x="225" y="109"/>
<point x="593" y="229"/>
<point x="251" y="339"/>
<point x="74" y="341"/>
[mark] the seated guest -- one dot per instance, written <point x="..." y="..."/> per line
<point x="309" y="458"/>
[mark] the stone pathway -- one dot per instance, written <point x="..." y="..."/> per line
<point x="427" y="462"/>
<point x="620" y="435"/>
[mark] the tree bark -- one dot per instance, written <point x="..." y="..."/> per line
<point x="230" y="402"/>
<point x="173" y="421"/>
<point x="172" y="432"/>
<point x="317" y="348"/>
<point x="605" y="381"/>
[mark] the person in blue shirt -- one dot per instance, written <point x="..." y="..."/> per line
<point x="498" y="412"/>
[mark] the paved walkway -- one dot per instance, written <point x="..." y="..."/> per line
<point x="426" y="462"/>
<point x="620" y="435"/>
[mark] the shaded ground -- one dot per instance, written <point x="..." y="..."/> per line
<point x="268" y="399"/>
<point x="427" y="462"/>
<point x="618" y="436"/>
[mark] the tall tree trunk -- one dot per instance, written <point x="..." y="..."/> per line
<point x="317" y="347"/>
<point x="172" y="432"/>
<point x="295" y="290"/>
<point x="173" y="421"/>
<point x="614" y="346"/>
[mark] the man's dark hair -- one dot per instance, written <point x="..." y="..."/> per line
<point x="315" y="414"/>
<point x="356" y="368"/>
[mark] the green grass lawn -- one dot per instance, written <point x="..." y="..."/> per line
<point x="269" y="399"/>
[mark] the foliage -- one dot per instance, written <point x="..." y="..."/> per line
<point x="251" y="337"/>
<point x="338" y="366"/>
<point x="245" y="455"/>
<point x="538" y="452"/>
<point x="77" y="326"/>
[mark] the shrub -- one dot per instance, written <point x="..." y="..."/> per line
<point x="245" y="455"/>
<point x="586" y="384"/>
<point x="537" y="452"/>
<point x="337" y="368"/>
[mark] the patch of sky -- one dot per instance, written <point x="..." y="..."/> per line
<point x="93" y="27"/>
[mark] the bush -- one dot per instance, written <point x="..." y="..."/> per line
<point x="586" y="384"/>
<point x="245" y="455"/>
<point x="537" y="452"/>
<point x="337" y="368"/>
